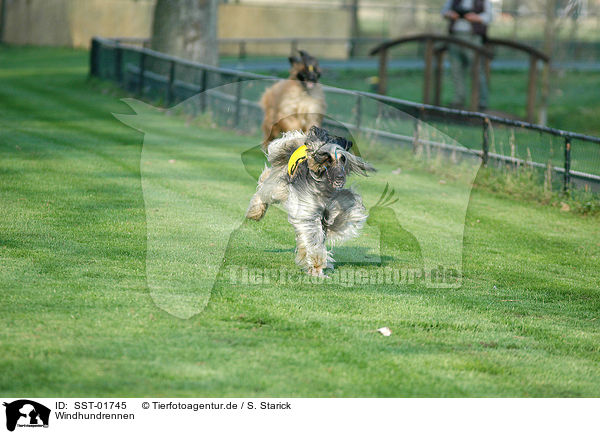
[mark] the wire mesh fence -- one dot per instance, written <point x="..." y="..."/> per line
<point x="565" y="159"/>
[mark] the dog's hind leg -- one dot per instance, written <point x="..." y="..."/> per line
<point x="272" y="188"/>
<point x="258" y="207"/>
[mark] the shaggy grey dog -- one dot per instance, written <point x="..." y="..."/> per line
<point x="307" y="175"/>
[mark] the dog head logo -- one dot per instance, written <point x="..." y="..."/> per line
<point x="305" y="68"/>
<point x="26" y="413"/>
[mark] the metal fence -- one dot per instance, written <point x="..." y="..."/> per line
<point x="572" y="158"/>
<point x="241" y="48"/>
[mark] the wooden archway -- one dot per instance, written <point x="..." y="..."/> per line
<point x="433" y="74"/>
<point x="534" y="57"/>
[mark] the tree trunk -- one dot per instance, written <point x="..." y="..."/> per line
<point x="549" y="44"/>
<point x="516" y="14"/>
<point x="187" y="29"/>
<point x="354" y="29"/>
<point x="2" y="19"/>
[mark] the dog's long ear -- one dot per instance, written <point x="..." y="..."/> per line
<point x="343" y="143"/>
<point x="304" y="55"/>
<point x="358" y="165"/>
<point x="340" y="141"/>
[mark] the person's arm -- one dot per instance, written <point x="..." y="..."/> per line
<point x="484" y="17"/>
<point x="447" y="12"/>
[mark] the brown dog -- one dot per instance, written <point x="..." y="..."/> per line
<point x="297" y="103"/>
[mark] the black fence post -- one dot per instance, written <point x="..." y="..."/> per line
<point x="170" y="90"/>
<point x="238" y="102"/>
<point x="203" y="79"/>
<point x="486" y="141"/>
<point x="567" y="179"/>
<point x="94" y="55"/>
<point x="140" y="90"/>
<point x="358" y="109"/>
<point x="351" y="48"/>
<point x="242" y="53"/>
<point x="118" y="62"/>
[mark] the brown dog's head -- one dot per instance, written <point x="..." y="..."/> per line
<point x="305" y="69"/>
<point x="329" y="159"/>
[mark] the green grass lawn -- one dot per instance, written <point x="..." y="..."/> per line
<point x="78" y="317"/>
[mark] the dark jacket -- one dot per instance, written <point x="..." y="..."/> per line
<point x="478" y="28"/>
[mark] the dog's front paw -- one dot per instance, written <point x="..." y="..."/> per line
<point x="317" y="272"/>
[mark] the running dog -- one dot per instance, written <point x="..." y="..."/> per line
<point x="307" y="175"/>
<point x="297" y="103"/>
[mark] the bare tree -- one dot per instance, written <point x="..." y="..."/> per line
<point x="2" y="19"/>
<point x="354" y="26"/>
<point x="556" y="13"/>
<point x="186" y="28"/>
